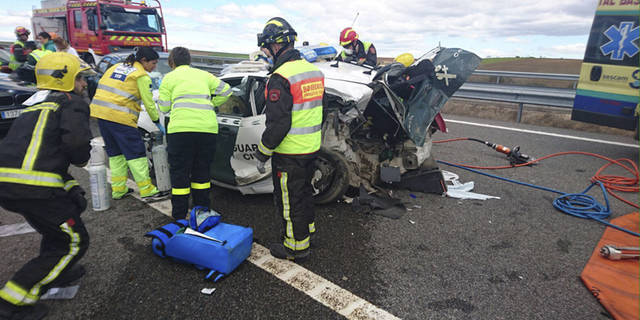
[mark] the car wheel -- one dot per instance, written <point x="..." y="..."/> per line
<point x="330" y="178"/>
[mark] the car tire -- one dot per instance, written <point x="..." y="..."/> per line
<point x="330" y="178"/>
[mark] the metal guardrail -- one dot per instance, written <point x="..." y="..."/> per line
<point x="213" y="64"/>
<point x="530" y="75"/>
<point x="555" y="97"/>
<point x="543" y="96"/>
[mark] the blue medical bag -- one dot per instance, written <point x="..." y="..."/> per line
<point x="220" y="249"/>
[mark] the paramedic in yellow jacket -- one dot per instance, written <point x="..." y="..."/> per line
<point x="116" y="104"/>
<point x="191" y="95"/>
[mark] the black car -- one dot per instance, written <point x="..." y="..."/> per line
<point x="13" y="93"/>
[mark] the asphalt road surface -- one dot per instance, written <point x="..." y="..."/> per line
<point x="510" y="258"/>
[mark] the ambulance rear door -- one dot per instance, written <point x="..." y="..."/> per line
<point x="608" y="89"/>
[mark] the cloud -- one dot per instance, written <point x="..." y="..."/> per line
<point x="10" y="20"/>
<point x="393" y="26"/>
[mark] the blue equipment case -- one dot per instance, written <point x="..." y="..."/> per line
<point x="230" y="246"/>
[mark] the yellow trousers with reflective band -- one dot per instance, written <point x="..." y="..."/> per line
<point x="140" y="171"/>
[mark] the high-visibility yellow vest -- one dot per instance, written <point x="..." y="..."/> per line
<point x="367" y="45"/>
<point x="39" y="53"/>
<point x="13" y="63"/>
<point x="191" y="94"/>
<point x="307" y="88"/>
<point x="117" y="97"/>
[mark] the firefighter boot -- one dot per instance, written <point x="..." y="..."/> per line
<point x="278" y="250"/>
<point x="9" y="311"/>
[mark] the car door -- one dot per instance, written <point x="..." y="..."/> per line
<point x="78" y="37"/>
<point x="240" y="127"/>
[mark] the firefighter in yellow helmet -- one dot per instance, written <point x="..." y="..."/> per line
<point x="50" y="134"/>
<point x="292" y="137"/>
<point x="116" y="104"/>
<point x="361" y="52"/>
<point x="191" y="95"/>
<point x="406" y="59"/>
<point x="412" y="74"/>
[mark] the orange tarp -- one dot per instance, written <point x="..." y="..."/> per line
<point x="616" y="284"/>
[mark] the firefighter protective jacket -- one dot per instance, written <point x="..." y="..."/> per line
<point x="41" y="144"/>
<point x="294" y="98"/>
<point x="366" y="51"/>
<point x="17" y="55"/>
<point x="36" y="55"/>
<point x="191" y="95"/>
<point x="118" y="95"/>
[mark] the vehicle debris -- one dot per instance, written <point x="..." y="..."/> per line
<point x="207" y="291"/>
<point x="379" y="203"/>
<point x="370" y="134"/>
<point x="460" y="190"/>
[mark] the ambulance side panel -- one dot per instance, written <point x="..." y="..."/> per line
<point x="609" y="87"/>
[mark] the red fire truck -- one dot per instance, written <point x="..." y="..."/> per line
<point x="103" y="25"/>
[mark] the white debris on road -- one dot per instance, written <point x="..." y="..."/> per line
<point x="458" y="190"/>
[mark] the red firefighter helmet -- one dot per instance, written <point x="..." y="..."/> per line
<point x="347" y="36"/>
<point x="22" y="30"/>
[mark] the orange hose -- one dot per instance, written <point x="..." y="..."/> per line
<point x="610" y="182"/>
<point x="450" y="140"/>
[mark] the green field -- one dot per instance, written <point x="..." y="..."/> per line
<point x="497" y="60"/>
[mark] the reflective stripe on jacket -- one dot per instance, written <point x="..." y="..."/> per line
<point x="307" y="88"/>
<point x="38" y="54"/>
<point x="41" y="144"/>
<point x="28" y="173"/>
<point x="191" y="94"/>
<point x="13" y="62"/>
<point x="117" y="97"/>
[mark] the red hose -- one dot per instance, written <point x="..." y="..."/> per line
<point x="610" y="182"/>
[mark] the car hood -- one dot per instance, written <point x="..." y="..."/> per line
<point x="7" y="82"/>
<point x="347" y="81"/>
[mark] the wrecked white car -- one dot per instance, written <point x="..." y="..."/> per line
<point x="371" y="135"/>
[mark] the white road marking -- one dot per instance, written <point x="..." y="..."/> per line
<point x="15" y="229"/>
<point x="320" y="289"/>
<point x="544" y="133"/>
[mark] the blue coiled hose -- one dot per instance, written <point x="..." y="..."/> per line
<point x="578" y="205"/>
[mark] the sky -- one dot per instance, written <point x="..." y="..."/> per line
<point x="489" y="28"/>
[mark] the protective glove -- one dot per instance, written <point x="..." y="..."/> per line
<point x="77" y="197"/>
<point x="262" y="158"/>
<point x="160" y="127"/>
<point x="260" y="167"/>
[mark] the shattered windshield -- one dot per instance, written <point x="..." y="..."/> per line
<point x="131" y="20"/>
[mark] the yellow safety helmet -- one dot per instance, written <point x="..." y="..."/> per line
<point x="58" y="71"/>
<point x="406" y="59"/>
